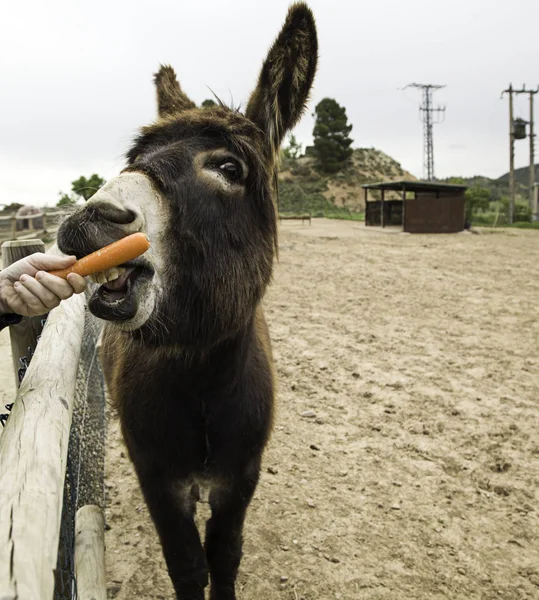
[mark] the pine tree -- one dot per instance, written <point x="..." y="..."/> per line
<point x="331" y="141"/>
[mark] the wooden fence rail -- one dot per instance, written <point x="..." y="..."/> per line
<point x="46" y="225"/>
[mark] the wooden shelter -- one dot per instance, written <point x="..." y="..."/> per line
<point x="417" y="206"/>
<point x="29" y="218"/>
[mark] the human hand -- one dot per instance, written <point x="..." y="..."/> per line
<point x="28" y="290"/>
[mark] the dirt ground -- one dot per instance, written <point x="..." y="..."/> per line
<point x="417" y="474"/>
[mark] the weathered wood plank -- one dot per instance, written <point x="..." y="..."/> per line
<point x="33" y="457"/>
<point x="90" y="553"/>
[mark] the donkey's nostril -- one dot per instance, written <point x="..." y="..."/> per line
<point x="114" y="214"/>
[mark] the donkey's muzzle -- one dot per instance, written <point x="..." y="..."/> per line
<point x="109" y="215"/>
<point x="114" y="212"/>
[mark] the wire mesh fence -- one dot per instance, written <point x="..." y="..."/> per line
<point x="84" y="483"/>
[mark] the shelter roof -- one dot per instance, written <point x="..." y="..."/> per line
<point x="414" y="186"/>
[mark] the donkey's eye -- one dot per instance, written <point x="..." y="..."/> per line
<point x="231" y="169"/>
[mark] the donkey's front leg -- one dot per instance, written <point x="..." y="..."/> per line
<point x="172" y="507"/>
<point x="224" y="531"/>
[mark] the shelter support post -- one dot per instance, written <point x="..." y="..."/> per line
<point x="403" y="209"/>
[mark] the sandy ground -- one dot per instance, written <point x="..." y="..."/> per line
<point x="418" y="475"/>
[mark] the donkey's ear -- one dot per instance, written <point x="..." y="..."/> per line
<point x="286" y="78"/>
<point x="170" y="97"/>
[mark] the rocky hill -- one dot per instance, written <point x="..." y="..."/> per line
<point x="302" y="187"/>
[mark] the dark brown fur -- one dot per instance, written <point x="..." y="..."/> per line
<point x="194" y="384"/>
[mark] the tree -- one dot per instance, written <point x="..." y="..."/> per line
<point x="476" y="198"/>
<point x="208" y="103"/>
<point x="66" y="200"/>
<point x="331" y="141"/>
<point x="11" y="208"/>
<point x="87" y="187"/>
<point x="81" y="188"/>
<point x="294" y="148"/>
<point x="522" y="213"/>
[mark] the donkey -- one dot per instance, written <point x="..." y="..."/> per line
<point x="186" y="351"/>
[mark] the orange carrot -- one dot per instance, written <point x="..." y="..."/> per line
<point x="110" y="256"/>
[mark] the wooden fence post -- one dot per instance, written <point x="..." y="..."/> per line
<point x="24" y="335"/>
<point x="90" y="553"/>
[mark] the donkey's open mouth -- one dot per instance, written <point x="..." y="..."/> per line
<point x="121" y="288"/>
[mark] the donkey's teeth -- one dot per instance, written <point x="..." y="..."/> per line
<point x="117" y="279"/>
<point x="100" y="277"/>
<point x="108" y="275"/>
<point x="113" y="273"/>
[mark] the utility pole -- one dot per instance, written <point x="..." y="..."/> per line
<point x="532" y="157"/>
<point x="512" y="138"/>
<point x="511" y="154"/>
<point x="428" y="113"/>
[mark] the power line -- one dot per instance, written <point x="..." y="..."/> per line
<point x="429" y="117"/>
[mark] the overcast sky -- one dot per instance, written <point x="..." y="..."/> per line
<point x="76" y="77"/>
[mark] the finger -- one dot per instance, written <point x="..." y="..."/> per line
<point x="77" y="282"/>
<point x="49" y="262"/>
<point x="32" y="305"/>
<point x="42" y="293"/>
<point x="58" y="286"/>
